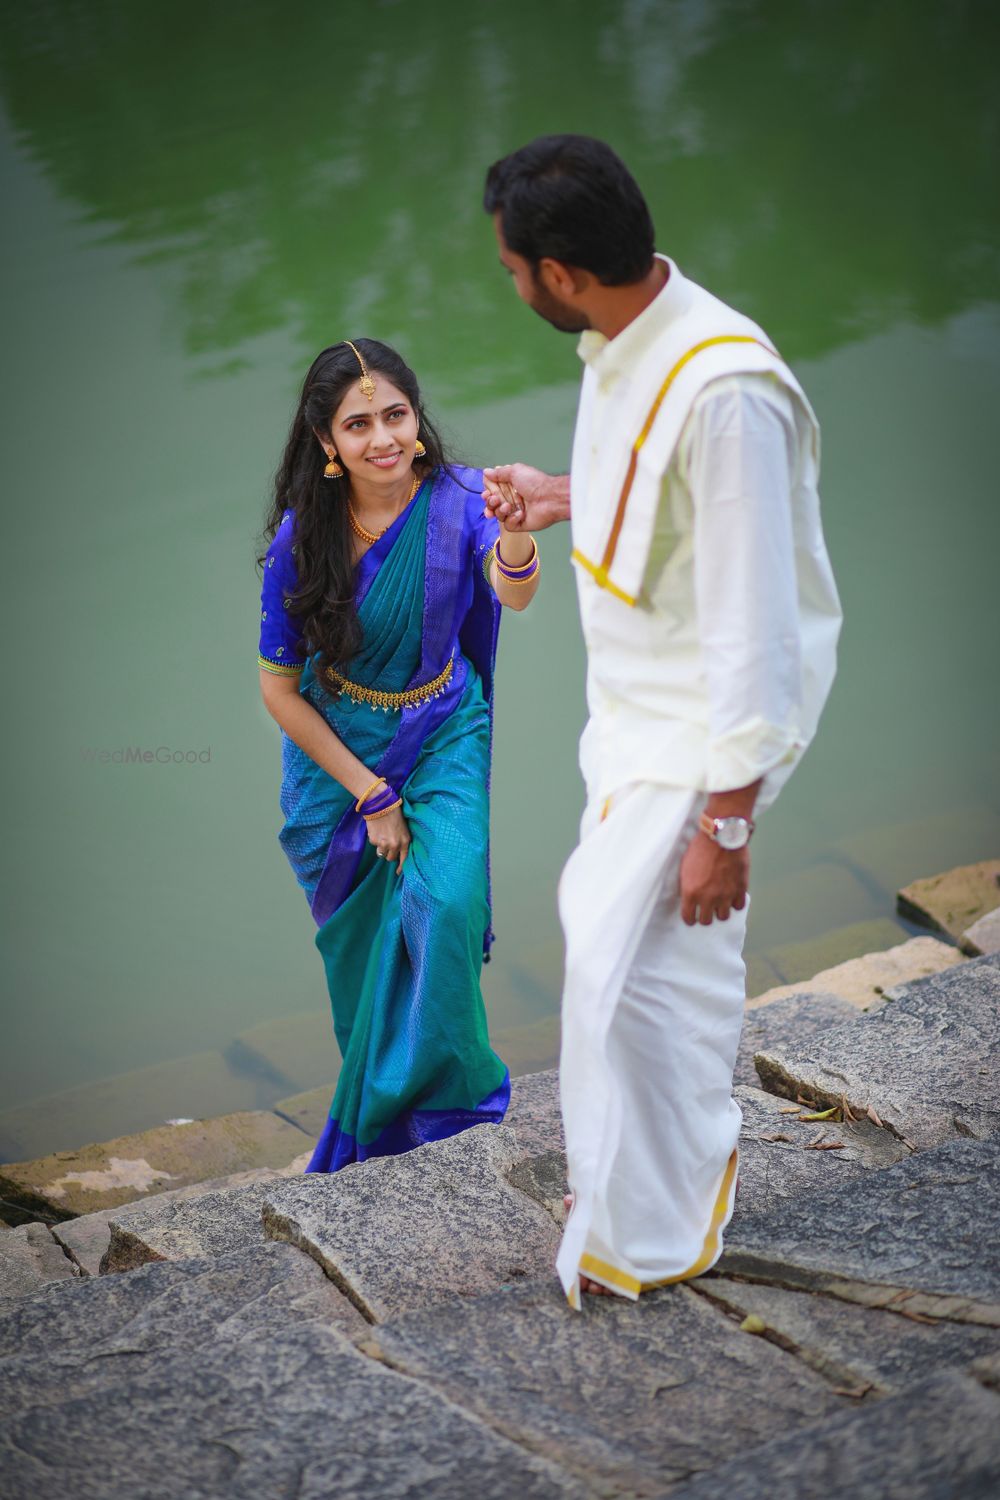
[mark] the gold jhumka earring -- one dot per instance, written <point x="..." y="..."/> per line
<point x="366" y="383"/>
<point x="333" y="469"/>
<point x="419" y="451"/>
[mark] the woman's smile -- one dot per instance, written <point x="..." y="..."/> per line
<point x="385" y="460"/>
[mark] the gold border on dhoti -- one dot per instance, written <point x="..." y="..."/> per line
<point x="611" y="1276"/>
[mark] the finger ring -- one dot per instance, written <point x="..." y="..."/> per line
<point x="379" y="852"/>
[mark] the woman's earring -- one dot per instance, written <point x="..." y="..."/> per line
<point x="333" y="469"/>
<point x="419" y="451"/>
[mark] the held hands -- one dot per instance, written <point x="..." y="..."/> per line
<point x="713" y="881"/>
<point x="391" y="836"/>
<point x="524" y="499"/>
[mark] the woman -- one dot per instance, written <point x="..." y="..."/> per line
<point x="380" y="607"/>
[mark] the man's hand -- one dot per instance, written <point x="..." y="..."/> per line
<point x="713" y="881"/>
<point x="529" y="499"/>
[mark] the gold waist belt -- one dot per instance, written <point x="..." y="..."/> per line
<point x="408" y="699"/>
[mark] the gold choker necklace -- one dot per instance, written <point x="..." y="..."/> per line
<point x="373" y="536"/>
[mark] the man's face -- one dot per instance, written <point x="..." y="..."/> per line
<point x="532" y="290"/>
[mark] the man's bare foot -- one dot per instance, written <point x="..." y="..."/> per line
<point x="586" y="1285"/>
<point x="595" y="1288"/>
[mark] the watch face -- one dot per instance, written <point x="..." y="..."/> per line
<point x="732" y="833"/>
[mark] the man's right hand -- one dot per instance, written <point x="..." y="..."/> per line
<point x="540" y="499"/>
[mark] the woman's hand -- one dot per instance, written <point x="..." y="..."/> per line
<point x="391" y="836"/>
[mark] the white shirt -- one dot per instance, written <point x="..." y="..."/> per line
<point x="717" y="677"/>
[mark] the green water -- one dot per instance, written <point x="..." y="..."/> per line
<point x="197" y="198"/>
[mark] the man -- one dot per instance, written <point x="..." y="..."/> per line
<point x="711" y="618"/>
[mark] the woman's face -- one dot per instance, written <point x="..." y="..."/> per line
<point x="375" y="440"/>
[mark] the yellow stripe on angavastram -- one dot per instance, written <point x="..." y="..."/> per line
<point x="600" y="572"/>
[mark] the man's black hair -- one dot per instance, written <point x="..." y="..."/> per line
<point x="571" y="198"/>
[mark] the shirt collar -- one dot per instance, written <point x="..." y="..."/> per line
<point x="615" y="356"/>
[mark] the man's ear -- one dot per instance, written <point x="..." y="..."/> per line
<point x="563" y="280"/>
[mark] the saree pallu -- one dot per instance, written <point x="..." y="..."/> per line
<point x="403" y="952"/>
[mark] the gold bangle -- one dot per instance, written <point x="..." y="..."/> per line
<point x="370" y="817"/>
<point x="364" y="797"/>
<point x="536" y="574"/>
<point x="516" y="567"/>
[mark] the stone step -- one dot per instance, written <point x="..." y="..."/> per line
<point x="799" y="962"/>
<point x="863" y="981"/>
<point x="436" y="1224"/>
<point x="167" y="1228"/>
<point x="984" y="934"/>
<point x="88" y="1237"/>
<point x="795" y="1019"/>
<point x="232" y="1378"/>
<point x="916" y="1238"/>
<point x="108" y="1174"/>
<point x="863" y="1348"/>
<point x="630" y="1396"/>
<point x="953" y="901"/>
<point x="30" y="1258"/>
<point x="779" y="1162"/>
<point x="252" y="1291"/>
<point x="927" y="1062"/>
<point x="936" y="1442"/>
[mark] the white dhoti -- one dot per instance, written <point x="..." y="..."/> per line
<point x="651" y="1019"/>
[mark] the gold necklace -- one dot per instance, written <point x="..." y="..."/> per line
<point x="373" y="536"/>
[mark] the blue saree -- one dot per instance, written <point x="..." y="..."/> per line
<point x="402" y="953"/>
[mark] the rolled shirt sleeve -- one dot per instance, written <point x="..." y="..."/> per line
<point x="742" y="458"/>
<point x="279" y="648"/>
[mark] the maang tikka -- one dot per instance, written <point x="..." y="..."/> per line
<point x="366" y="382"/>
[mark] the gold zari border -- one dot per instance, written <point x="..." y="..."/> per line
<point x="601" y="1270"/>
<point x="281" y="669"/>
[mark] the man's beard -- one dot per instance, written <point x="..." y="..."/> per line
<point x="564" y="319"/>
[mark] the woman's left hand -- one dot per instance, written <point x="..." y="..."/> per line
<point x="391" y="836"/>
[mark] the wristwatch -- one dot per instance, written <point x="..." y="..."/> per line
<point x="728" y="833"/>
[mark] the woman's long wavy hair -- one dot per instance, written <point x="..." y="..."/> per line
<point x="324" y="599"/>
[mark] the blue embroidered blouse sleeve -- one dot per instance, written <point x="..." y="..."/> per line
<point x="483" y="530"/>
<point x="279" y="649"/>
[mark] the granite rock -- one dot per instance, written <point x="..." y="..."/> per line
<point x="952" y="902"/>
<point x="534" y="1113"/>
<point x="779" y="1162"/>
<point x="400" y="1232"/>
<point x="910" y="1238"/>
<point x="30" y="1257"/>
<point x="630" y="1396"/>
<point x="250" y="1293"/>
<point x="939" y="1441"/>
<point x="299" y="1413"/>
<point x="863" y="981"/>
<point x="115" y="1172"/>
<point x="926" y="1063"/>
<point x="854" y="1347"/>
<point x="209" y="1223"/>
<point x="794" y="1021"/>
<point x="544" y="1179"/>
<point x="984" y="935"/>
<point x="88" y="1237"/>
